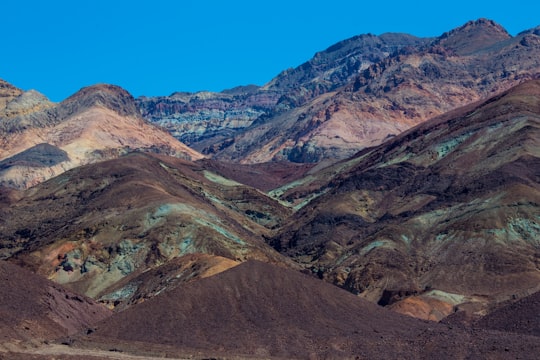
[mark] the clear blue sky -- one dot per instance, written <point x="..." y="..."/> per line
<point x="158" y="47"/>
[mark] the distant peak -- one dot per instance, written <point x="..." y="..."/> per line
<point x="5" y="85"/>
<point x="105" y="89"/>
<point x="473" y="36"/>
<point x="109" y="96"/>
<point x="483" y="22"/>
<point x="533" y="31"/>
<point x="28" y="102"/>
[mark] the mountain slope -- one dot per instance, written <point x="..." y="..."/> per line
<point x="448" y="210"/>
<point x="92" y="226"/>
<point x="97" y="123"/>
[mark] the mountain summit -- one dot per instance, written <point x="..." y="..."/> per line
<point x="473" y="37"/>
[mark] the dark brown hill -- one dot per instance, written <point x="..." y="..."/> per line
<point x="448" y="211"/>
<point x="35" y="309"/>
<point x="93" y="225"/>
<point x="257" y="310"/>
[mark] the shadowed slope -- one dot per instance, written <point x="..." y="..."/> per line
<point x="448" y="210"/>
<point x="259" y="309"/>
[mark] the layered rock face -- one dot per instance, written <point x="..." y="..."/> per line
<point x="204" y="119"/>
<point x="208" y="122"/>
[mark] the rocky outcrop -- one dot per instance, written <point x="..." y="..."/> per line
<point x="26" y="103"/>
<point x="473" y="38"/>
<point x="338" y="65"/>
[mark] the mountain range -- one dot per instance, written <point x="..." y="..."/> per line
<point x="353" y="95"/>
<point x="380" y="200"/>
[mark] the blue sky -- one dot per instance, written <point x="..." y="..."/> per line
<point x="158" y="47"/>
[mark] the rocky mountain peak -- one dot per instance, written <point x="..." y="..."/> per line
<point x="109" y="96"/>
<point x="473" y="37"/>
<point x="7" y="93"/>
<point x="533" y="31"/>
<point x="26" y="103"/>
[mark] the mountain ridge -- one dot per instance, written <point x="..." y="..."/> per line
<point x="365" y="89"/>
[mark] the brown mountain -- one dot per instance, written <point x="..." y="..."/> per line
<point x="34" y="309"/>
<point x="94" y="225"/>
<point x="389" y="95"/>
<point x="444" y="216"/>
<point x="39" y="140"/>
<point x="257" y="310"/>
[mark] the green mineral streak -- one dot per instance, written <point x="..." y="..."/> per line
<point x="448" y="146"/>
<point x="220" y="230"/>
<point x="184" y="245"/>
<point x="405" y="239"/>
<point x="120" y="294"/>
<point x="219" y="179"/>
<point x="373" y="245"/>
<point x="308" y="199"/>
<point x="519" y="229"/>
<point x="396" y="160"/>
<point x="450" y="298"/>
<point x="276" y="193"/>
